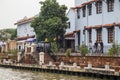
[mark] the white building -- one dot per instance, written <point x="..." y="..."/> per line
<point x="69" y="35"/>
<point x="97" y="20"/>
<point x="24" y="31"/>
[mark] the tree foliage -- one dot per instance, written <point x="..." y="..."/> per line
<point x="68" y="52"/>
<point x="51" y="21"/>
<point x="8" y="34"/>
<point x="83" y="49"/>
<point x="115" y="49"/>
<point x="54" y="47"/>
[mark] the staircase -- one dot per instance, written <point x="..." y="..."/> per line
<point x="33" y="58"/>
<point x="22" y="56"/>
<point x="35" y="55"/>
<point x="48" y="57"/>
<point x="28" y="59"/>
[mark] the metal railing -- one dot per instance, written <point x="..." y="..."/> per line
<point x="93" y="50"/>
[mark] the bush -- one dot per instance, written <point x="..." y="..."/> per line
<point x="114" y="49"/>
<point x="14" y="52"/>
<point x="68" y="52"/>
<point x="54" y="47"/>
<point x="83" y="50"/>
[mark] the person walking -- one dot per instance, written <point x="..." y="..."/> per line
<point x="101" y="47"/>
<point x="96" y="46"/>
<point x="90" y="47"/>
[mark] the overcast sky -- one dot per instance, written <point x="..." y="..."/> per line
<point x="13" y="10"/>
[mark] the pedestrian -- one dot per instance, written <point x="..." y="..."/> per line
<point x="101" y="47"/>
<point x="90" y="47"/>
<point x="96" y="46"/>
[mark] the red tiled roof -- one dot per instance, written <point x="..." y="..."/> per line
<point x="109" y="25"/>
<point x="70" y="33"/>
<point x="79" y="6"/>
<point x="94" y="27"/>
<point x="117" y="24"/>
<point x="86" y="3"/>
<point x="76" y="31"/>
<point x="100" y="26"/>
<point x="97" y="26"/>
<point x="24" y="20"/>
<point x="88" y="27"/>
<point x="89" y="2"/>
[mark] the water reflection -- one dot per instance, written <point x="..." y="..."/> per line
<point x="12" y="74"/>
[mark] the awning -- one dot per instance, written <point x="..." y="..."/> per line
<point x="69" y="34"/>
<point x="117" y="24"/>
<point x="69" y="38"/>
<point x="97" y="27"/>
<point x="76" y="31"/>
<point x="31" y="40"/>
<point x="104" y="25"/>
<point x="25" y="37"/>
<point x="88" y="27"/>
<point x="21" y="42"/>
<point x="109" y="25"/>
<point x="93" y="27"/>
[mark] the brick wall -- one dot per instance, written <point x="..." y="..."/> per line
<point x="97" y="61"/>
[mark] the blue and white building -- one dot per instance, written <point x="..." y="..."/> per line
<point x="96" y="20"/>
<point x="24" y="32"/>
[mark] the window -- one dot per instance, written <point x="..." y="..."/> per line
<point x="99" y="7"/>
<point x="84" y="11"/>
<point x="78" y="33"/>
<point x="99" y="35"/>
<point x="78" y="13"/>
<point x="90" y="9"/>
<point x="68" y="24"/>
<point x="110" y="5"/>
<point x="110" y="34"/>
<point x="90" y="35"/>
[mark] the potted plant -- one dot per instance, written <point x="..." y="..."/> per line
<point x="114" y="49"/>
<point x="83" y="50"/>
<point x="68" y="52"/>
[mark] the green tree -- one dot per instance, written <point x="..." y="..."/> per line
<point x="51" y="21"/>
<point x="8" y="34"/>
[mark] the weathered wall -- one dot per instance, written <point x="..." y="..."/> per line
<point x="97" y="61"/>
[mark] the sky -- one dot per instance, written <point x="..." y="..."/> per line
<point x="13" y="10"/>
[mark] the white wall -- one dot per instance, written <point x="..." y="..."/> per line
<point x="78" y="2"/>
<point x="24" y="29"/>
<point x="71" y="16"/>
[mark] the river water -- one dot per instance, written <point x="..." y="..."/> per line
<point x="13" y="74"/>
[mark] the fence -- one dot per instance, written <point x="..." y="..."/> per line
<point x="96" y="50"/>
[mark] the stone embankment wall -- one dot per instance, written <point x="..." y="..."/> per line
<point x="96" y="61"/>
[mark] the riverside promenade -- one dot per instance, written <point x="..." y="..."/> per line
<point x="68" y="70"/>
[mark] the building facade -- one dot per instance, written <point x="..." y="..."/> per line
<point x="69" y="35"/>
<point x="24" y="31"/>
<point x="97" y="20"/>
